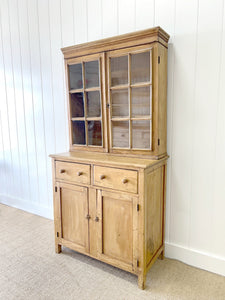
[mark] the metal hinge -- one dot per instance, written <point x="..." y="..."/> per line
<point x="55" y="188"/>
<point x="138" y="207"/>
<point x="57" y="234"/>
<point x="137" y="263"/>
<point x="158" y="142"/>
<point x="158" y="59"/>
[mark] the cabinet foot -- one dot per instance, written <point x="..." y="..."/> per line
<point x="58" y="248"/>
<point x="141" y="281"/>
<point x="161" y="256"/>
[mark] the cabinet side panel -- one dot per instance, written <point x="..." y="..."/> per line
<point x="162" y="97"/>
<point x="154" y="213"/>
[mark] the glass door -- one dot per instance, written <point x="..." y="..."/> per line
<point x="85" y="102"/>
<point x="130" y="97"/>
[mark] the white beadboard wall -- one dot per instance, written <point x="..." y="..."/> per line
<point x="33" y="120"/>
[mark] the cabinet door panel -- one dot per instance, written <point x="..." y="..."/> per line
<point x="117" y="229"/>
<point x="130" y="100"/>
<point x="86" y="102"/>
<point x="117" y="232"/>
<point x="74" y="209"/>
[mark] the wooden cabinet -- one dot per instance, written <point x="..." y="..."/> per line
<point x="117" y="94"/>
<point x="116" y="214"/>
<point x="109" y="190"/>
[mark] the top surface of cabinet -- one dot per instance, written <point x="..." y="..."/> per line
<point x="156" y="34"/>
<point x="106" y="159"/>
<point x="117" y="94"/>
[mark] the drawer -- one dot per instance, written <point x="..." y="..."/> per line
<point x="118" y="179"/>
<point x="72" y="172"/>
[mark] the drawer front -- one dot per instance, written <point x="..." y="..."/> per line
<point x="72" y="172"/>
<point x="118" y="179"/>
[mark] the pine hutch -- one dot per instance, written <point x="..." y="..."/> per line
<point x="110" y="188"/>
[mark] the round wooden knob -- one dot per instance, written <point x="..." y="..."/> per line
<point x="79" y="173"/>
<point x="125" y="180"/>
<point x="62" y="171"/>
<point x="102" y="177"/>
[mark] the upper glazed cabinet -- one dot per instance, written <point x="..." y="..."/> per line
<point x="117" y="94"/>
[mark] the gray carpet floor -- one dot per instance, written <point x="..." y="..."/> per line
<point x="30" y="269"/>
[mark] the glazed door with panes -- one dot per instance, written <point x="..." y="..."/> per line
<point x="86" y="100"/>
<point x="130" y="99"/>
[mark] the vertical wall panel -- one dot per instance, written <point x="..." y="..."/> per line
<point x="183" y="101"/>
<point x="9" y="105"/>
<point x="37" y="95"/>
<point x="216" y="240"/>
<point x="205" y="116"/>
<point x="165" y="17"/>
<point x="19" y="99"/>
<point x="6" y="158"/>
<point x="145" y="14"/>
<point x="47" y="88"/>
<point x="94" y="19"/>
<point x="109" y="18"/>
<point x="67" y="22"/>
<point x="58" y="76"/>
<point x="3" y="179"/>
<point x="80" y="21"/>
<point x="126" y="16"/>
<point x="28" y="101"/>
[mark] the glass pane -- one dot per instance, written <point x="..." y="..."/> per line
<point x="140" y="67"/>
<point x="120" y="106"/>
<point x="94" y="133"/>
<point x="119" y="70"/>
<point x="77" y="105"/>
<point x="91" y="74"/>
<point x="76" y="76"/>
<point x="140" y="99"/>
<point x="120" y="134"/>
<point x="93" y="104"/>
<point x="78" y="132"/>
<point x="141" y="134"/>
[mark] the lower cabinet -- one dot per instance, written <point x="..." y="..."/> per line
<point x="123" y="227"/>
<point x="100" y="223"/>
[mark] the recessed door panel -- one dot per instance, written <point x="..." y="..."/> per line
<point x="117" y="232"/>
<point x="117" y="229"/>
<point x="74" y="211"/>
